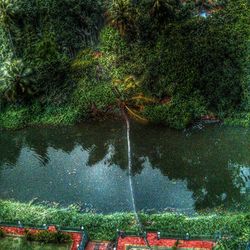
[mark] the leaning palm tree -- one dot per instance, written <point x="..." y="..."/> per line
<point x="130" y="98"/>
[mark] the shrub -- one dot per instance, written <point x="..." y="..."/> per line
<point x="14" y="117"/>
<point x="2" y="233"/>
<point x="56" y="115"/>
<point x="48" y="237"/>
<point x="178" y="113"/>
<point x="238" y="119"/>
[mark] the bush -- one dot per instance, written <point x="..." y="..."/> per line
<point x="48" y="237"/>
<point x="238" y="119"/>
<point x="14" y="117"/>
<point x="19" y="117"/>
<point x="203" y="59"/>
<point x="2" y="233"/>
<point x="178" y="113"/>
<point x="93" y="89"/>
<point x="16" y="81"/>
<point x="56" y="115"/>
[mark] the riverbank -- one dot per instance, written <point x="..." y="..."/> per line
<point x="104" y="227"/>
<point x="24" y="116"/>
<point x="20" y="117"/>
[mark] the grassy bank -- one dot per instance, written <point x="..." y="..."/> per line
<point x="20" y="117"/>
<point x="103" y="227"/>
<point x="23" y="116"/>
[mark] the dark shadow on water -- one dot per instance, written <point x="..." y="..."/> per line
<point x="183" y="171"/>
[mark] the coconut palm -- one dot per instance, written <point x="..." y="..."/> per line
<point x="130" y="97"/>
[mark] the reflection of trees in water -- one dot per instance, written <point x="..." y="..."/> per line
<point x="201" y="159"/>
<point x="10" y="148"/>
<point x="94" y="139"/>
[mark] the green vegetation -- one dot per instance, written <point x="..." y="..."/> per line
<point x="59" y="61"/>
<point x="21" y="243"/>
<point x="65" y="61"/>
<point x="2" y="234"/>
<point x="103" y="227"/>
<point x="45" y="237"/>
<point x="48" y="237"/>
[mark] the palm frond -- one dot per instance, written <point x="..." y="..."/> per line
<point x="135" y="115"/>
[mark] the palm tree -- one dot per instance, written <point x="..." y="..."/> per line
<point x="120" y="15"/>
<point x="16" y="80"/>
<point x="130" y="98"/>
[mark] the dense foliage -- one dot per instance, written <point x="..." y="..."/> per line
<point x="48" y="237"/>
<point x="2" y="234"/>
<point x="103" y="227"/>
<point x="60" y="60"/>
<point x="39" y="38"/>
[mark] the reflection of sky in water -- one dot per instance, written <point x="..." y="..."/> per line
<point x="66" y="179"/>
<point x="153" y="190"/>
<point x="173" y="171"/>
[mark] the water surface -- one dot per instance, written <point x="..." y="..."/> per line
<point x="202" y="168"/>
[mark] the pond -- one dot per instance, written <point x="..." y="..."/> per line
<point x="201" y="168"/>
